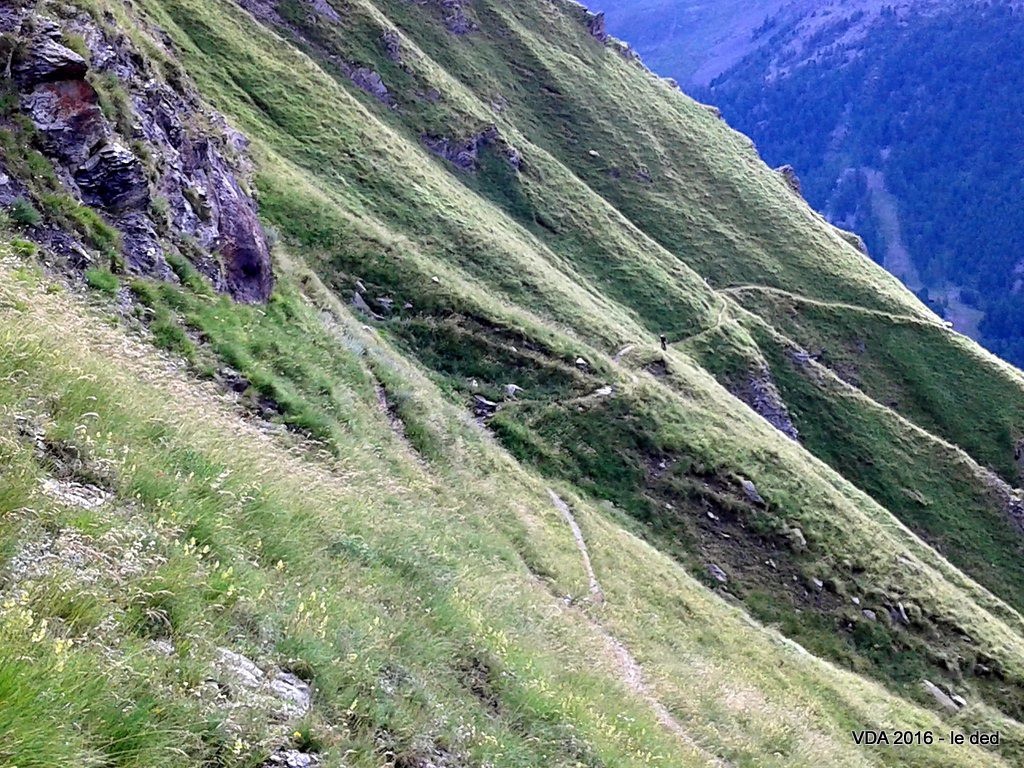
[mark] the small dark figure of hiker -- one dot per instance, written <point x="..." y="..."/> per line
<point x="664" y="343"/>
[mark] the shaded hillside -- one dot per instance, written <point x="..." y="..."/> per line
<point x="434" y="494"/>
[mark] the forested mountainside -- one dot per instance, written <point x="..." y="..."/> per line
<point x="430" y="385"/>
<point x="899" y="118"/>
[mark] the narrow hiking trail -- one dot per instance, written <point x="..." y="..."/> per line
<point x="596" y="593"/>
<point x="630" y="671"/>
<point x="737" y="289"/>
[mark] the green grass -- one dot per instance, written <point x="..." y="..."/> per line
<point x="102" y="280"/>
<point x="440" y="567"/>
<point x="244" y="533"/>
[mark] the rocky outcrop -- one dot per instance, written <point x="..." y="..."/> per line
<point x="371" y="82"/>
<point x="325" y="10"/>
<point x="154" y="149"/>
<point x="597" y="27"/>
<point x="464" y="154"/>
<point x="391" y="41"/>
<point x="789" y="175"/>
<point x="455" y="19"/>
<point x="45" y="60"/>
<point x="67" y="118"/>
<point x="1010" y="499"/>
<point x="113" y="178"/>
<point x="853" y="239"/>
<point x="760" y="393"/>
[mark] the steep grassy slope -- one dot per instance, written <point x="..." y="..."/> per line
<point x="424" y="605"/>
<point x="580" y="209"/>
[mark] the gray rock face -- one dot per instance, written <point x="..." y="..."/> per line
<point x="392" y="43"/>
<point x="371" y="82"/>
<point x="113" y="179"/>
<point x="10" y="188"/>
<point x="197" y="172"/>
<point x="142" y="247"/>
<point x="241" y="243"/>
<point x="597" y="27"/>
<point x="325" y="10"/>
<point x="761" y="394"/>
<point x="462" y="154"/>
<point x="68" y="119"/>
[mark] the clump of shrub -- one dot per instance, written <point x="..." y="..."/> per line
<point x="24" y="214"/>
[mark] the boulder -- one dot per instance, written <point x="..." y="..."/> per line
<point x="44" y="60"/>
<point x="797" y="540"/>
<point x="239" y="669"/>
<point x="751" y="492"/>
<point x="940" y="696"/>
<point x="296" y="696"/>
<point x="718" y="574"/>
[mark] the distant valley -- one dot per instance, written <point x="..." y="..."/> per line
<point x="901" y="120"/>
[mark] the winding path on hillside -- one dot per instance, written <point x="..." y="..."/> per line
<point x="596" y="593"/>
<point x="630" y="671"/>
<point x="737" y="289"/>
